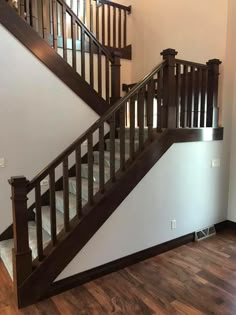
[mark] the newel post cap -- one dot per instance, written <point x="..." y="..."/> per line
<point x="18" y="181"/>
<point x="214" y="62"/>
<point x="169" y="52"/>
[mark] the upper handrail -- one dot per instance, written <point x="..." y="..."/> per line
<point x="190" y="63"/>
<point x="116" y="5"/>
<point x="56" y="162"/>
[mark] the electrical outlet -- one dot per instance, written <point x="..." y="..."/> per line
<point x="173" y="225"/>
<point x="2" y="162"/>
<point x="215" y="163"/>
<point x="44" y="182"/>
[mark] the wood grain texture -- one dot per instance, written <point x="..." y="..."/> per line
<point x="194" y="279"/>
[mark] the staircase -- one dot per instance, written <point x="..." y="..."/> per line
<point x="175" y="102"/>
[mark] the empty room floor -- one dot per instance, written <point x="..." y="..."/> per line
<point x="195" y="279"/>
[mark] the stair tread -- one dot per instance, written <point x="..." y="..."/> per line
<point x="7" y="245"/>
<point x="72" y="203"/>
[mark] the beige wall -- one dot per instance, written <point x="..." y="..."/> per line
<point x="196" y="29"/>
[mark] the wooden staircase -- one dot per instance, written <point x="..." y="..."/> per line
<point x="175" y="102"/>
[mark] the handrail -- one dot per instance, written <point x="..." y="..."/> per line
<point x="93" y="128"/>
<point x="116" y="5"/>
<point x="190" y="63"/>
<point x="105" y="51"/>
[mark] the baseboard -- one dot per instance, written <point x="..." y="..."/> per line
<point x="92" y="274"/>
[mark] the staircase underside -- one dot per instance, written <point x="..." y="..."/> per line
<point x="37" y="285"/>
<point x="48" y="56"/>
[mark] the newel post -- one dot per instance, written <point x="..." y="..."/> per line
<point x="115" y="78"/>
<point x="169" y="114"/>
<point x="212" y="92"/>
<point x="21" y="253"/>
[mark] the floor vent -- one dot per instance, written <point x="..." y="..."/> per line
<point x="205" y="233"/>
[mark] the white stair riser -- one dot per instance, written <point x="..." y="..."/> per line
<point x="136" y="134"/>
<point x="72" y="203"/>
<point x="107" y="162"/>
<point x="84" y="187"/>
<point x="117" y="146"/>
<point x="84" y="172"/>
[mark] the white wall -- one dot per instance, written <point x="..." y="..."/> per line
<point x="230" y="105"/>
<point x="181" y="186"/>
<point x="39" y="117"/>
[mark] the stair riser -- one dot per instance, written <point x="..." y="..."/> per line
<point x="117" y="146"/>
<point x="84" y="190"/>
<point x="84" y="173"/>
<point x="106" y="161"/>
<point x="136" y="134"/>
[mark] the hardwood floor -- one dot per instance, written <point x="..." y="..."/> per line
<point x="195" y="279"/>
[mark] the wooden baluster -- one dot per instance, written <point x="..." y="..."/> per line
<point x="90" y="168"/>
<point x="64" y="32"/>
<point x="97" y="23"/>
<point x="198" y="96"/>
<point x="125" y="29"/>
<point x="204" y="98"/>
<point x="99" y="71"/>
<point x="101" y="159"/>
<point x="38" y="210"/>
<point x="73" y="38"/>
<point x="78" y="8"/>
<point x="78" y="181"/>
<point x="115" y="78"/>
<point x="66" y="195"/>
<point x="51" y="16"/>
<point x="21" y="253"/>
<point x="212" y="91"/>
<point x="112" y="147"/>
<point x="91" y="18"/>
<point x="103" y="25"/>
<point x="184" y="98"/>
<point x="55" y="23"/>
<point x="34" y="10"/>
<point x="122" y="137"/>
<point x="191" y="97"/>
<point x="82" y="53"/>
<point x="119" y="28"/>
<point x="132" y="126"/>
<point x="91" y="62"/>
<point x="109" y="25"/>
<point x="178" y="94"/>
<point x="141" y="97"/>
<point x="107" y="80"/>
<point x="114" y="27"/>
<point x="27" y="9"/>
<point x="21" y="8"/>
<point x="44" y="20"/>
<point x="150" y="104"/>
<point x="53" y="218"/>
<point x="169" y="104"/>
<point x="159" y="98"/>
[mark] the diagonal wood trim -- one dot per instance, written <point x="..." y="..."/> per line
<point x="39" y="47"/>
<point x="37" y="284"/>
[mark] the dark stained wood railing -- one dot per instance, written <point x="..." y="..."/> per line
<point x="60" y="26"/>
<point x="109" y="23"/>
<point x="189" y="102"/>
<point x="189" y="97"/>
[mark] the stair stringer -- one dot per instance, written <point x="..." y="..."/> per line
<point x="49" y="57"/>
<point x="37" y="284"/>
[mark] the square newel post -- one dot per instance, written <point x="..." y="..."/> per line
<point x="169" y="110"/>
<point x="212" y="93"/>
<point x="115" y="78"/>
<point x="22" y="255"/>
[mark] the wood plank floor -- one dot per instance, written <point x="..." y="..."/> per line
<point x="195" y="279"/>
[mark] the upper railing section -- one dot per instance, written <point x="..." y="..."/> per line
<point x="60" y="26"/>
<point x="109" y="23"/>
